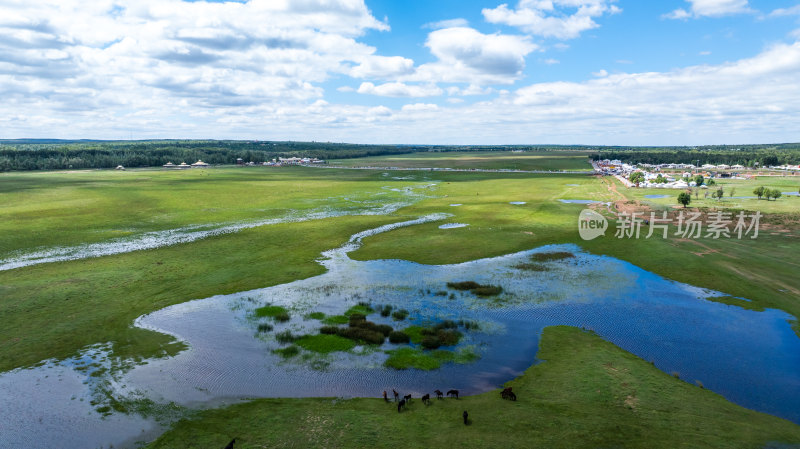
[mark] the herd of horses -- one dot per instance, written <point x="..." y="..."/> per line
<point x="507" y="393"/>
<point x="426" y="399"/>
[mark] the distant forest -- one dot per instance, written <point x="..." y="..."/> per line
<point x="53" y="154"/>
<point x="48" y="154"/>
<point x="747" y="155"/>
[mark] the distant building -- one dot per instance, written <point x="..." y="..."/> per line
<point x="239" y="161"/>
<point x="183" y="165"/>
<point x="199" y="164"/>
<point x="119" y="167"/>
<point x="169" y="165"/>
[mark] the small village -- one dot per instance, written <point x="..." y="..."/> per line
<point x="679" y="176"/>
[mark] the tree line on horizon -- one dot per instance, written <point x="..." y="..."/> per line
<point x="748" y="155"/>
<point x="54" y="155"/>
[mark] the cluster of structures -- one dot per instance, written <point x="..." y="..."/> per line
<point x="184" y="165"/>
<point x="283" y="161"/>
<point x="679" y="176"/>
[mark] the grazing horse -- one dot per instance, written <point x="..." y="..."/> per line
<point x="426" y="399"/>
<point x="453" y="393"/>
<point x="385" y="397"/>
<point x="401" y="404"/>
<point x="230" y="445"/>
<point x="396" y="394"/>
<point x="439" y="394"/>
<point x="466" y="417"/>
<point x="508" y="394"/>
<point x="407" y="398"/>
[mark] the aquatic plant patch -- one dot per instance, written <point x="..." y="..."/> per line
<point x="476" y="288"/>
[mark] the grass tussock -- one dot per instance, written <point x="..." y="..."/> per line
<point x="287" y="352"/>
<point x="277" y="313"/>
<point x="315" y="316"/>
<point x="324" y="344"/>
<point x="360" y="330"/>
<point x="400" y="315"/>
<point x="551" y="256"/>
<point x="477" y="289"/>
<point x="285" y="337"/>
<point x="399" y="337"/>
<point x="361" y="308"/>
<point x="527" y="266"/>
<point x="335" y="319"/>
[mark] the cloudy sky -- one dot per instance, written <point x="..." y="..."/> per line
<point x="628" y="72"/>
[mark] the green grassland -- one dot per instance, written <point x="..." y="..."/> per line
<point x="763" y="270"/>
<point x="55" y="309"/>
<point x="494" y="160"/>
<point x="69" y="208"/>
<point x="102" y="296"/>
<point x="52" y="310"/>
<point x="740" y="188"/>
<point x="587" y="394"/>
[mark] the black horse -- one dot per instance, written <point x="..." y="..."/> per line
<point x="426" y="399"/>
<point x="401" y="404"/>
<point x="453" y="393"/>
<point x="396" y="394"/>
<point x="439" y="394"/>
<point x="230" y="445"/>
<point x="466" y="417"/>
<point x="508" y="394"/>
<point x="407" y="398"/>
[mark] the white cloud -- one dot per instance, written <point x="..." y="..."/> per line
<point x="560" y="19"/>
<point x="551" y="61"/>
<point x="397" y="89"/>
<point x="166" y="68"/>
<point x="380" y="111"/>
<point x="106" y="58"/>
<point x="420" y="107"/>
<point x="710" y="8"/>
<point x="704" y="53"/>
<point x="372" y="67"/>
<point x="472" y="89"/>
<point x="791" y="11"/>
<point x="466" y="55"/>
<point x="746" y="101"/>
<point x="451" y="23"/>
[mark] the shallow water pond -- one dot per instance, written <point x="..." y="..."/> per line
<point x="656" y="197"/>
<point x="453" y="225"/>
<point x="580" y="201"/>
<point x="751" y="358"/>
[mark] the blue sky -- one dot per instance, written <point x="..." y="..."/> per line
<point x="484" y="72"/>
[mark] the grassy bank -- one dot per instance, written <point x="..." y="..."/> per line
<point x="588" y="393"/>
<point x="763" y="270"/>
<point x="52" y="310"/>
<point x="43" y="209"/>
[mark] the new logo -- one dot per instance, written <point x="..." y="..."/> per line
<point x="591" y="224"/>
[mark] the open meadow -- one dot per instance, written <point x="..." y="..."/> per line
<point x="85" y="254"/>
<point x="487" y="160"/>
